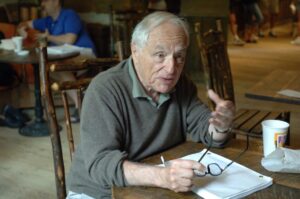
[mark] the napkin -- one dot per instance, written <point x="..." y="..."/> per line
<point x="7" y="44"/>
<point x="282" y="160"/>
<point x="290" y="93"/>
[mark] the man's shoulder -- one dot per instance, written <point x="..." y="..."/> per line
<point x="116" y="74"/>
<point x="68" y="12"/>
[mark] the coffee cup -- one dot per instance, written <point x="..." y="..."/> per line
<point x="18" y="42"/>
<point x="274" y="135"/>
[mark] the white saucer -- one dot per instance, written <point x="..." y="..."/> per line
<point x="23" y="52"/>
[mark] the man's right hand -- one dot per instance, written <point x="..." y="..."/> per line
<point x="178" y="174"/>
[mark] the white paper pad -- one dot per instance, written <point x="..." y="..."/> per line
<point x="63" y="49"/>
<point x="236" y="181"/>
<point x="289" y="93"/>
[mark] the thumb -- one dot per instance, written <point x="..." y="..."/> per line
<point x="214" y="96"/>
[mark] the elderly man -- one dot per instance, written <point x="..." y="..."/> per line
<point x="143" y="106"/>
<point x="61" y="26"/>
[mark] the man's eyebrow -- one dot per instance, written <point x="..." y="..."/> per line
<point x="159" y="47"/>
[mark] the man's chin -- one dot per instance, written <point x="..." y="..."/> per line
<point x="165" y="90"/>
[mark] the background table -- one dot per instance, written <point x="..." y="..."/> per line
<point x="285" y="185"/>
<point x="38" y="127"/>
<point x="277" y="80"/>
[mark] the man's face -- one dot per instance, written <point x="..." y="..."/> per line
<point x="160" y="62"/>
<point x="49" y="6"/>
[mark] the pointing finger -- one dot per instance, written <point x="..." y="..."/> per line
<point x="214" y="96"/>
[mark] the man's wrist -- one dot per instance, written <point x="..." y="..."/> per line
<point x="223" y="131"/>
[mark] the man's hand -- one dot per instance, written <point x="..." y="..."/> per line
<point x="223" y="115"/>
<point x="41" y="36"/>
<point x="179" y="173"/>
<point x="22" y="29"/>
<point x="176" y="176"/>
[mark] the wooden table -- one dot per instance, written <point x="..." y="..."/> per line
<point x="284" y="185"/>
<point x="277" y="80"/>
<point x="38" y="127"/>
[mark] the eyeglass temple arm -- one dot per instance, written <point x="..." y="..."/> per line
<point x="247" y="147"/>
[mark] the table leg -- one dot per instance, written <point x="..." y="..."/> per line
<point x="38" y="127"/>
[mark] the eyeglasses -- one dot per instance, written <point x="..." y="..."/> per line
<point x="214" y="169"/>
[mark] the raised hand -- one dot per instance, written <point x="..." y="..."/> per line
<point x="223" y="114"/>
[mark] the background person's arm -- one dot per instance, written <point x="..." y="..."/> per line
<point x="68" y="38"/>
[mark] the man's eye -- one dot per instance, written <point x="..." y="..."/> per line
<point x="159" y="57"/>
<point x="180" y="58"/>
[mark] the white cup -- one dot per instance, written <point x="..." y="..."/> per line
<point x="18" y="41"/>
<point x="274" y="135"/>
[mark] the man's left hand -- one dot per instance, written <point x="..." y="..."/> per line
<point x="223" y="114"/>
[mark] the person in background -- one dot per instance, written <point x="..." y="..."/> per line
<point x="270" y="9"/>
<point x="234" y="6"/>
<point x="143" y="106"/>
<point x="172" y="6"/>
<point x="296" y="41"/>
<point x="253" y="17"/>
<point x="61" y="26"/>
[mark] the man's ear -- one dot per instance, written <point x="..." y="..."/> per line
<point x="134" y="50"/>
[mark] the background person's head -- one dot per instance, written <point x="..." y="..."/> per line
<point x="51" y="7"/>
<point x="159" y="43"/>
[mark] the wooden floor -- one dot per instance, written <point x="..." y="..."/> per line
<point x="26" y="168"/>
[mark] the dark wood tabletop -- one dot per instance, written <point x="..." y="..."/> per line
<point x="285" y="185"/>
<point x="277" y="80"/>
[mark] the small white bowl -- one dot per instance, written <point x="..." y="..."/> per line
<point x="23" y="52"/>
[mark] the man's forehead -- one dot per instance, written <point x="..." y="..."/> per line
<point x="177" y="47"/>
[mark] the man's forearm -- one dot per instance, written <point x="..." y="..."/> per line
<point x="138" y="174"/>
<point x="62" y="39"/>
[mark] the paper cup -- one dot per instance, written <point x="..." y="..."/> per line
<point x="274" y="135"/>
<point x="18" y="41"/>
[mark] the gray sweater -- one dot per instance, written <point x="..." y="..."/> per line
<point x="118" y="125"/>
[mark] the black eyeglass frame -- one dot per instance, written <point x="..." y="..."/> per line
<point x="216" y="164"/>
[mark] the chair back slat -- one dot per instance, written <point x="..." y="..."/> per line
<point x="215" y="62"/>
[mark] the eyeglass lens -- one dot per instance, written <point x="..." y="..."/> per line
<point x="213" y="168"/>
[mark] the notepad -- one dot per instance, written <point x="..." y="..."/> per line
<point x="63" y="49"/>
<point x="235" y="182"/>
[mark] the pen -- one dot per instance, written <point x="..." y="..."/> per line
<point x="162" y="160"/>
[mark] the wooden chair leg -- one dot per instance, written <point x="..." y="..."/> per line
<point x="68" y="123"/>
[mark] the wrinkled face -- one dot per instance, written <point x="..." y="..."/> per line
<point x="160" y="62"/>
<point x="49" y="6"/>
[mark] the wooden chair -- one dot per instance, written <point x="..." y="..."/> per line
<point x="217" y="72"/>
<point x="47" y="89"/>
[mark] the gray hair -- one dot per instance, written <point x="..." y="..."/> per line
<point x="142" y="30"/>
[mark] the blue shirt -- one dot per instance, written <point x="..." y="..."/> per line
<point x="68" y="21"/>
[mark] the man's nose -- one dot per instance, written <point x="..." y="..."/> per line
<point x="170" y="65"/>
